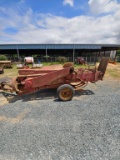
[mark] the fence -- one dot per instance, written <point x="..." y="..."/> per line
<point x="89" y="60"/>
<point x="118" y="59"/>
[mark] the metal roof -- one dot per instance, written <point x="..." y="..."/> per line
<point x="56" y="46"/>
<point x="49" y="46"/>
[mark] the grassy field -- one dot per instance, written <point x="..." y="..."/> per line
<point x="113" y="71"/>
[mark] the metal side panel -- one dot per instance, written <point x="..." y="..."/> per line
<point x="103" y="64"/>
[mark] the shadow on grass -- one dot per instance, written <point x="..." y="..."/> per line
<point x="40" y="95"/>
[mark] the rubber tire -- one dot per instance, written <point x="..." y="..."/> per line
<point x="2" y="71"/>
<point x="65" y="96"/>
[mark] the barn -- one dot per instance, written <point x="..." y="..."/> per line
<point x="52" y="51"/>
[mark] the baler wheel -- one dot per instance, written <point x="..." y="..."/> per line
<point x="65" y="92"/>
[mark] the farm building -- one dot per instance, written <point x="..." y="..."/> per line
<point x="51" y="51"/>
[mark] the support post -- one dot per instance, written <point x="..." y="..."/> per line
<point x="46" y="51"/>
<point x="73" y="55"/>
<point x="99" y="54"/>
<point x="104" y="53"/>
<point x="46" y="55"/>
<point x="18" y="54"/>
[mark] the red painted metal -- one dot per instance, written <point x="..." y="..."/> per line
<point x="30" y="80"/>
<point x="80" y="60"/>
<point x="44" y="69"/>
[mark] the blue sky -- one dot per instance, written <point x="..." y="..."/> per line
<point x="59" y="21"/>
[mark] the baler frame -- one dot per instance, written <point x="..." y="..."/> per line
<point x="65" y="79"/>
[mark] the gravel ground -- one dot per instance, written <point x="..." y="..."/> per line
<point x="39" y="127"/>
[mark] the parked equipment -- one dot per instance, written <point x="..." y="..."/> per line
<point x="65" y="78"/>
<point x="79" y="60"/>
<point x="6" y="64"/>
<point x="28" y="60"/>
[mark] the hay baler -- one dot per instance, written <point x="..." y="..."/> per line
<point x="65" y="78"/>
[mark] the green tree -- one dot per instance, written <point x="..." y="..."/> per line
<point x="62" y="59"/>
<point x="3" y="57"/>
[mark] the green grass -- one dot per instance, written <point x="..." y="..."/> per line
<point x="49" y="63"/>
<point x="83" y="66"/>
<point x="10" y="72"/>
<point x="113" y="71"/>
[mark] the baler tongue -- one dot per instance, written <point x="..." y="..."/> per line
<point x="103" y="65"/>
<point x="6" y="86"/>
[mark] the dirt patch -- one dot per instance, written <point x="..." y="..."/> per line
<point x="17" y="119"/>
<point x="6" y="97"/>
<point x="114" y="66"/>
<point x="113" y="71"/>
<point x="3" y="101"/>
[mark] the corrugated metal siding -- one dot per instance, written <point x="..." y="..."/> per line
<point x="22" y="46"/>
<point x="50" y="46"/>
<point x="31" y="46"/>
<point x="87" y="46"/>
<point x="57" y="46"/>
